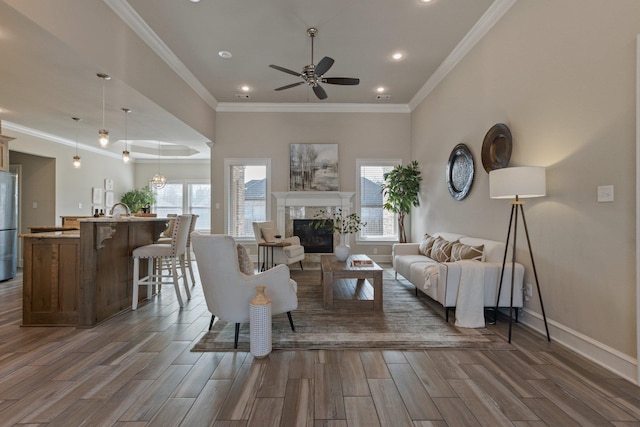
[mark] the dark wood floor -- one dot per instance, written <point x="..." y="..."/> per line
<point x="137" y="369"/>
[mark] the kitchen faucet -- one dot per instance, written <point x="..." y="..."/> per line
<point x="128" y="212"/>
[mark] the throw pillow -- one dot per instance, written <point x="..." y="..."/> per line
<point x="244" y="262"/>
<point x="426" y="244"/>
<point x="460" y="251"/>
<point x="441" y="250"/>
<point x="269" y="235"/>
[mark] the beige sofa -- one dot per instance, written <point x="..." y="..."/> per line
<point x="441" y="280"/>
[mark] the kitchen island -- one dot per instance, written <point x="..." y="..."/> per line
<point x="84" y="277"/>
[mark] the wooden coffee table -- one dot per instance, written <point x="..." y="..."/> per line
<point x="352" y="282"/>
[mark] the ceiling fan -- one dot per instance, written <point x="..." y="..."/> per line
<point x="314" y="74"/>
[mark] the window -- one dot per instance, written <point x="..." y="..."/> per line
<point x="247" y="190"/>
<point x="188" y="196"/>
<point x="381" y="224"/>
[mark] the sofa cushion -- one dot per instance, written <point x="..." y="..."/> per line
<point x="426" y="244"/>
<point x="403" y="263"/>
<point x="460" y="251"/>
<point x="441" y="250"/>
<point x="293" y="250"/>
<point x="451" y="237"/>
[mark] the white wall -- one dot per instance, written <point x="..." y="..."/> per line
<point x="561" y="75"/>
<point x="72" y="186"/>
<point x="269" y="135"/>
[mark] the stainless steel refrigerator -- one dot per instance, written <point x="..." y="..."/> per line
<point x="8" y="225"/>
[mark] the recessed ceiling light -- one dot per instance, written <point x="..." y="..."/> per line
<point x="380" y="89"/>
<point x="245" y="88"/>
<point x="224" y="54"/>
<point x="397" y="56"/>
<point x="194" y="1"/>
<point x="424" y="1"/>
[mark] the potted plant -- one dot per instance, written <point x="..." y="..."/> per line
<point x="342" y="224"/>
<point x="402" y="187"/>
<point x="137" y="199"/>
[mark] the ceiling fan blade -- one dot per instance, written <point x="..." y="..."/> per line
<point x="289" y="86"/>
<point x="320" y="93"/>
<point x="324" y="65"/>
<point x="285" y="70"/>
<point x="341" y="81"/>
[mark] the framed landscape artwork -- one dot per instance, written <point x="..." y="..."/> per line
<point x="313" y="167"/>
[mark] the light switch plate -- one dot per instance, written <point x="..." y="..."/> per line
<point x="605" y="193"/>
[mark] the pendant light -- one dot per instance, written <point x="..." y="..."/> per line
<point x="76" y="158"/>
<point x="158" y="181"/>
<point x="103" y="133"/>
<point x="125" y="153"/>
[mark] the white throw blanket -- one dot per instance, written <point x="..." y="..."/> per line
<point x="470" y="300"/>
<point x="430" y="276"/>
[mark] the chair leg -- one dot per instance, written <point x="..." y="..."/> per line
<point x="174" y="272"/>
<point x="190" y="267"/>
<point x="184" y="276"/>
<point x="291" y="321"/>
<point x="235" y="341"/>
<point x="150" y="277"/>
<point x="136" y="274"/>
<point x="213" y="317"/>
<point x="301" y="265"/>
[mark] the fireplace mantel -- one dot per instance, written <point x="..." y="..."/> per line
<point x="284" y="199"/>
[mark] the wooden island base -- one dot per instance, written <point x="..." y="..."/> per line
<point x="83" y="278"/>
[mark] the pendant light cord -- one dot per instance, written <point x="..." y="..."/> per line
<point x="103" y="103"/>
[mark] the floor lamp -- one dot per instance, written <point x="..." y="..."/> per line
<point x="518" y="183"/>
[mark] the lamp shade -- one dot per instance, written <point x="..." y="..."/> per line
<point x="523" y="181"/>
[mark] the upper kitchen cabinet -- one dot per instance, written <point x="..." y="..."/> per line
<point x="4" y="150"/>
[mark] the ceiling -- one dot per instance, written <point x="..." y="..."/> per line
<point x="163" y="58"/>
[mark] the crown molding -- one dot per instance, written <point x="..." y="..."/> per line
<point x="275" y="107"/>
<point x="479" y="30"/>
<point x="130" y="17"/>
<point x="53" y="138"/>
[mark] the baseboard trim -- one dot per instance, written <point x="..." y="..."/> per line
<point x="595" y="351"/>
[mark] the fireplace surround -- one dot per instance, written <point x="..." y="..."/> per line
<point x="305" y="204"/>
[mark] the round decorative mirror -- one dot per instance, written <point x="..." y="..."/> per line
<point x="460" y="172"/>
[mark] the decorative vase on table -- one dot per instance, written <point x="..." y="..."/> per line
<point x="260" y="324"/>
<point x="343" y="249"/>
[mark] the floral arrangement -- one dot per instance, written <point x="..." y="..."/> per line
<point x="339" y="223"/>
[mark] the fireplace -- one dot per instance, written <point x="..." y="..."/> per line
<point x="315" y="240"/>
<point x="306" y="205"/>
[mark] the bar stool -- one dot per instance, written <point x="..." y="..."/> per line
<point x="157" y="252"/>
<point x="188" y="257"/>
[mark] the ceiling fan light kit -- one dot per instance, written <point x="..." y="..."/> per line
<point x="313" y="74"/>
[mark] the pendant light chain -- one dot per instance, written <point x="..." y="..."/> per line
<point x="76" y="158"/>
<point x="103" y="134"/>
<point x="125" y="153"/>
<point x="158" y="181"/>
